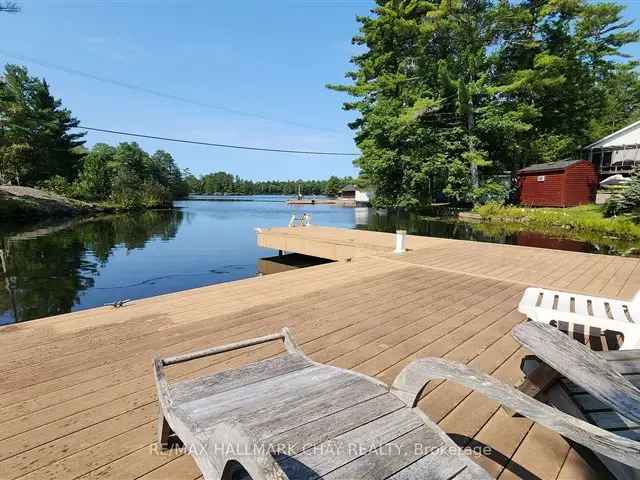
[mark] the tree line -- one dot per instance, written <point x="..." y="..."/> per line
<point x="38" y="147"/>
<point x="451" y="92"/>
<point x="227" y="183"/>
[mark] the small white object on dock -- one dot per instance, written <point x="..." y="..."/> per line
<point x="401" y="237"/>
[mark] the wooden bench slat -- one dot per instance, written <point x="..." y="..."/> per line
<point x="231" y="379"/>
<point x="347" y="447"/>
<point x="610" y="420"/>
<point x="617" y="355"/>
<point x="626" y="367"/>
<point x="336" y="423"/>
<point x="589" y="403"/>
<point x="572" y="388"/>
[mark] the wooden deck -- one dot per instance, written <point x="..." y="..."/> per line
<point x="77" y="398"/>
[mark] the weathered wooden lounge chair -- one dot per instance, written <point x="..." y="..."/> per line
<point x="289" y="417"/>
<point x="599" y="387"/>
<point x="584" y="314"/>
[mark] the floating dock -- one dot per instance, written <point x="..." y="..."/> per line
<point x="338" y="202"/>
<point x="77" y="396"/>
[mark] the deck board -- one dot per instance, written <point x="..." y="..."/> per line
<point x="77" y="398"/>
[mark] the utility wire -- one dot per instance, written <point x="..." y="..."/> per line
<point x="220" y="145"/>
<point x="157" y="93"/>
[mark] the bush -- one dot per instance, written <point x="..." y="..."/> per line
<point x="155" y="195"/>
<point x="627" y="201"/>
<point x="586" y="218"/>
<point x="125" y="189"/>
<point x="57" y="184"/>
<point x="490" y="210"/>
<point x="490" y="192"/>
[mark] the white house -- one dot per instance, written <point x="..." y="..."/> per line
<point x="617" y="153"/>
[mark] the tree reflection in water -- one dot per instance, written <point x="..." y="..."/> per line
<point x="46" y="268"/>
<point x="68" y="266"/>
<point x="513" y="234"/>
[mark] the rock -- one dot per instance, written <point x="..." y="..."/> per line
<point x="26" y="203"/>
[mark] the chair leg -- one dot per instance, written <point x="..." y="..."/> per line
<point x="164" y="430"/>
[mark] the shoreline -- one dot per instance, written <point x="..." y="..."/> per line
<point x="24" y="205"/>
<point x="586" y="220"/>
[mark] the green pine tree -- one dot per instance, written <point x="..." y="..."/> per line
<point x="450" y="91"/>
<point x="36" y="141"/>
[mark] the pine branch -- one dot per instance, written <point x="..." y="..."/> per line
<point x="9" y="7"/>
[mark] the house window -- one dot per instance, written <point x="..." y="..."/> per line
<point x="541" y="178"/>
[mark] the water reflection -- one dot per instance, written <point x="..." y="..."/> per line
<point x="389" y="221"/>
<point x="45" y="270"/>
<point x="72" y="265"/>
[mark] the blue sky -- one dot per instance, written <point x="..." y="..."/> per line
<point x="268" y="58"/>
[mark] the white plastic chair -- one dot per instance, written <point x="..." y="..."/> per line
<point x="552" y="307"/>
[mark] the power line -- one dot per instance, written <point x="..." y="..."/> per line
<point x="157" y="93"/>
<point x="220" y="145"/>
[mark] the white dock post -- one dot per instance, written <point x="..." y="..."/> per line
<point x="401" y="236"/>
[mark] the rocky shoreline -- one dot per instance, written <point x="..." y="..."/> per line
<point x="28" y="204"/>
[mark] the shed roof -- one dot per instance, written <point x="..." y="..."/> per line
<point x="629" y="135"/>
<point x="548" y="167"/>
<point x="348" y="188"/>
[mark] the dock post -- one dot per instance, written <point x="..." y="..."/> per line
<point x="401" y="236"/>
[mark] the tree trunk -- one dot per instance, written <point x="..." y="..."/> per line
<point x="475" y="182"/>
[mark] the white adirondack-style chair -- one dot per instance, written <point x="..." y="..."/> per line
<point x="570" y="311"/>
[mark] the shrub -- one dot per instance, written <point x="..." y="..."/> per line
<point x="627" y="201"/>
<point x="586" y="218"/>
<point x="490" y="210"/>
<point x="490" y="192"/>
<point x="125" y="190"/>
<point x="57" y="184"/>
<point x="155" y="195"/>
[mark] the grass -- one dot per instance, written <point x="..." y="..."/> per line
<point x="583" y="219"/>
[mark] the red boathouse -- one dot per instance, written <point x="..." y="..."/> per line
<point x="558" y="184"/>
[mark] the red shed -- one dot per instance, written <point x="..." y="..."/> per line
<point x="558" y="184"/>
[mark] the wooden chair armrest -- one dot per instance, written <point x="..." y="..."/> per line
<point x="285" y="335"/>
<point x="412" y="380"/>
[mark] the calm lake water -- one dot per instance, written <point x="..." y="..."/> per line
<point x="76" y="264"/>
